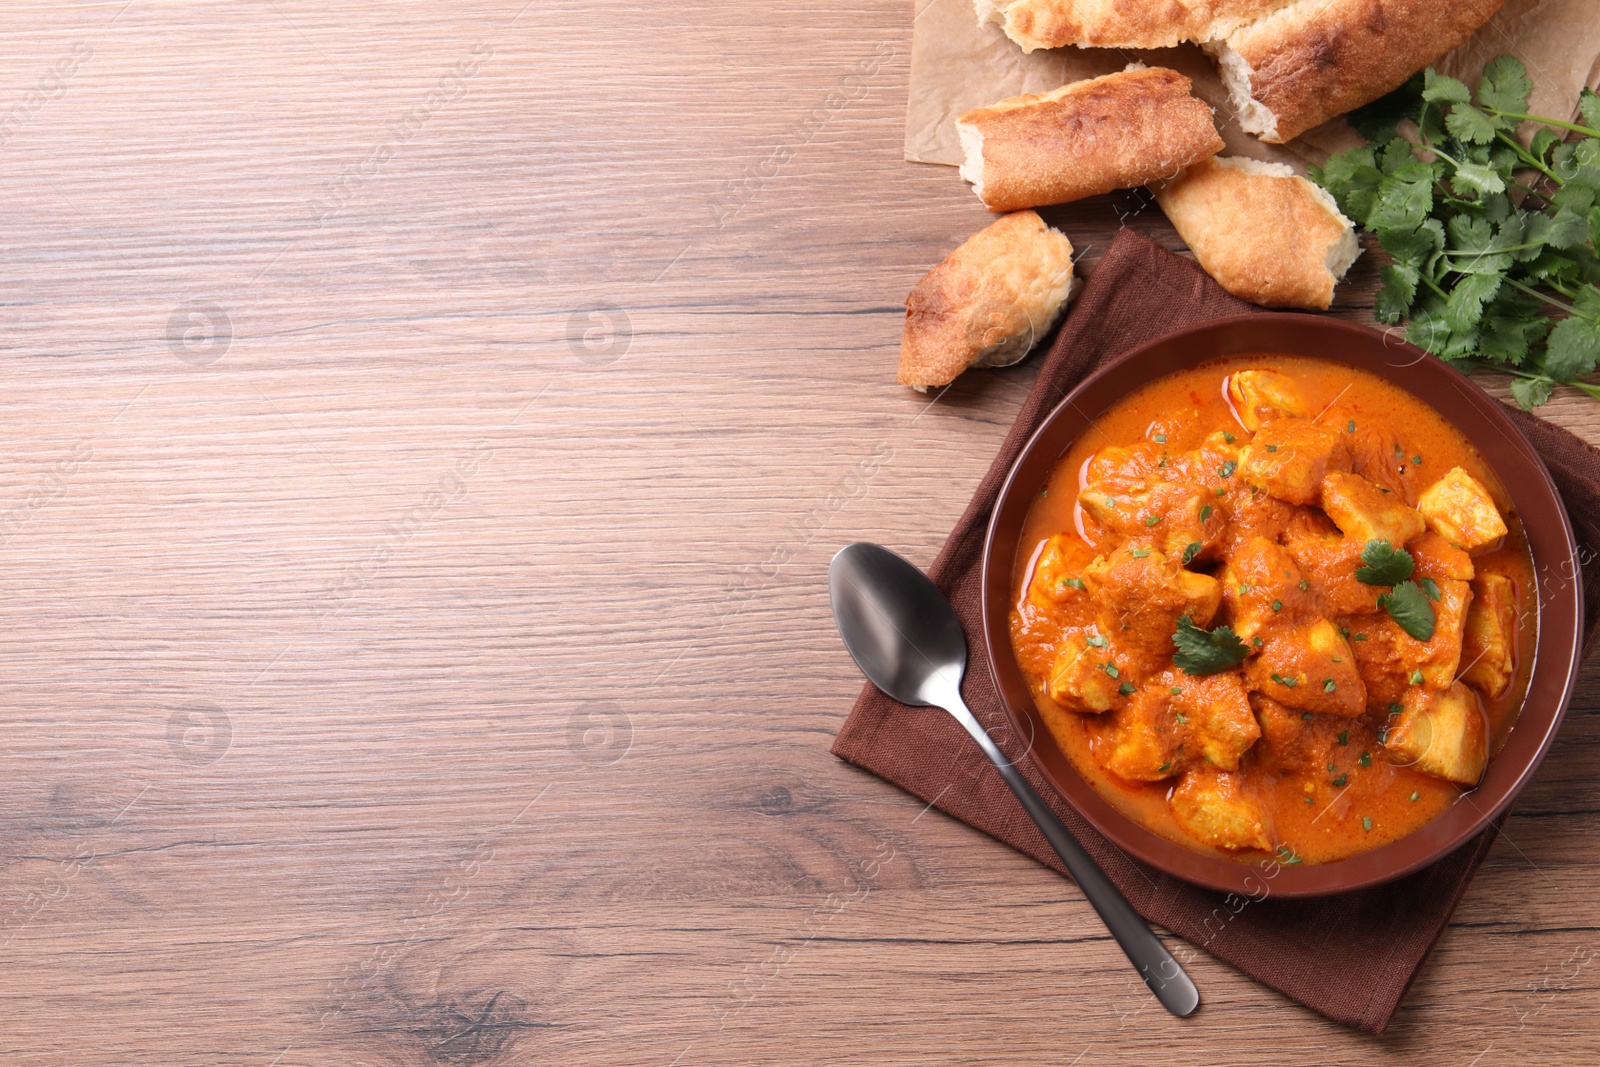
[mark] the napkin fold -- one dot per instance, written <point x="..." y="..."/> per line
<point x="1350" y="957"/>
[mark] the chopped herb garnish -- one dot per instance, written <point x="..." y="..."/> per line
<point x="1191" y="551"/>
<point x="1328" y="686"/>
<point x="1175" y="690"/>
<point x="1304" y="585"/>
<point x="1430" y="587"/>
<point x="1288" y="855"/>
<point x="1413" y="796"/>
<point x="1288" y="683"/>
<point x="1257" y="642"/>
<point x="1222" y="492"/>
<point x="1416" y="461"/>
<point x="1140" y="553"/>
<point x="1126" y="688"/>
<point x="1272" y="448"/>
<point x="1307" y="716"/>
<point x="1227" y="469"/>
<point x="1338" y="659"/>
<point x="1183" y="720"/>
<point x="1098" y="640"/>
<point x="1228" y="437"/>
<point x="1162" y="462"/>
<point x="1366" y="822"/>
<point x="1344" y="739"/>
<point x="1109" y="668"/>
<point x="1160" y="438"/>
<point x="1074" y="583"/>
<point x="1277" y="605"/>
<point x="1359" y="637"/>
<point x="1164" y="767"/>
<point x="1383" y="564"/>
<point x="1338" y="783"/>
<point x="1202" y="652"/>
<point x="1365" y="760"/>
<point x="1205" y="512"/>
<point x="1416" y="677"/>
<point x="1350" y="426"/>
<point x="1244" y="587"/>
<point x="1152" y="520"/>
<point x="1395" y="707"/>
<point x="1408" y="606"/>
<point x="1111" y="501"/>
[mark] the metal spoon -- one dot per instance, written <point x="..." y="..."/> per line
<point x="906" y="639"/>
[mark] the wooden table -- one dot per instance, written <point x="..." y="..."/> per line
<point x="425" y="431"/>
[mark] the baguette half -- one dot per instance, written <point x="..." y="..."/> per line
<point x="1037" y="24"/>
<point x="1306" y="63"/>
<point x="988" y="302"/>
<point x="1085" y="138"/>
<point x="1263" y="232"/>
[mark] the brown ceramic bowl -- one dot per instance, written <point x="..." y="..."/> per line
<point x="1480" y="418"/>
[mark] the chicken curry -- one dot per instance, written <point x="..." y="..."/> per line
<point x="1275" y="605"/>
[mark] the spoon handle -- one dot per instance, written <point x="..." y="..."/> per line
<point x="1156" y="966"/>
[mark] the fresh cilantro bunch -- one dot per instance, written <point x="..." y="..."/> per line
<point x="1484" y="281"/>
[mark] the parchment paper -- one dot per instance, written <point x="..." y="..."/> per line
<point x="957" y="65"/>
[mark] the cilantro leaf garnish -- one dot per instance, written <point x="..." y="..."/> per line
<point x="1408" y="606"/>
<point x="1480" y="277"/>
<point x="1206" y="651"/>
<point x="1383" y="564"/>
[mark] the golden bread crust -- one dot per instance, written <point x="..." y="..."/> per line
<point x="1090" y="137"/>
<point x="1321" y="58"/>
<point x="988" y="302"/>
<point x="1264" y="237"/>
<point x="1124" y="24"/>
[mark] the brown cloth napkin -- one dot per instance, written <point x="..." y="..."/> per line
<point x="1349" y="957"/>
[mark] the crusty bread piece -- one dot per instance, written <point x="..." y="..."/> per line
<point x="1085" y="138"/>
<point x="1120" y="23"/>
<point x="1263" y="232"/>
<point x="988" y="302"/>
<point x="1306" y="63"/>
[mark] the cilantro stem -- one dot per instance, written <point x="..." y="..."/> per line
<point x="1557" y="123"/>
<point x="1592" y="391"/>
<point x="1529" y="158"/>
<point x="1548" y="299"/>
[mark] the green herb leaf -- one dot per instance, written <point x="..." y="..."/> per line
<point x="1383" y="564"/>
<point x="1408" y="606"/>
<point x="1191" y="551"/>
<point x="1201" y="652"/>
<point x="1288" y="855"/>
<point x="1505" y="85"/>
<point x="1430" y="587"/>
<point x="1443" y="89"/>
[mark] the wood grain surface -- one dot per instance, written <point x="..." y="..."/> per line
<point x="425" y="429"/>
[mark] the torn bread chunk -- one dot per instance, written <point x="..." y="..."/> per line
<point x="1085" y="138"/>
<point x="1037" y="24"/>
<point x="988" y="303"/>
<point x="1263" y="232"/>
<point x="1303" y="64"/>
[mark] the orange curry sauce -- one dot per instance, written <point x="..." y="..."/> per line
<point x="1312" y="766"/>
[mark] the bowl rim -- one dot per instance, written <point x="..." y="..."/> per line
<point x="1558" y="585"/>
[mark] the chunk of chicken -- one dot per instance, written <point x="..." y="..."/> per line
<point x="1178" y="519"/>
<point x="1441" y="733"/>
<point x="1488" y="640"/>
<point x="1309" y="667"/>
<point x="1085" y="678"/>
<point x="1213" y="715"/>
<point x="1460" y="508"/>
<point x="1438" y="559"/>
<point x="1057" y="576"/>
<point x="1211" y="806"/>
<point x="1279" y="725"/>
<point x="1390" y="658"/>
<point x="1290" y="457"/>
<point x="1364" y="512"/>
<point x="1264" y="588"/>
<point x="1121" y="466"/>
<point x="1329" y="562"/>
<point x="1262" y="395"/>
<point x="1175" y="721"/>
<point x="1140" y="593"/>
